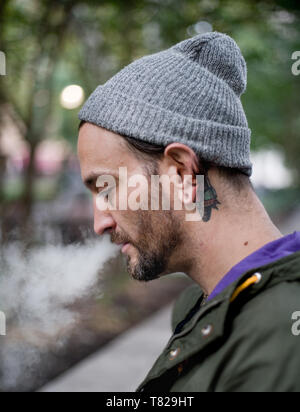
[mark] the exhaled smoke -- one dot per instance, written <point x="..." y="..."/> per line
<point x="35" y="292"/>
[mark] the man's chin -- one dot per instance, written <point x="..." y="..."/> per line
<point x="143" y="267"/>
<point x="143" y="272"/>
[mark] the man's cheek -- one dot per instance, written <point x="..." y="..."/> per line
<point x="127" y="224"/>
<point x="138" y="193"/>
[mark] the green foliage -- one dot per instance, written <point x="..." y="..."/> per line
<point x="45" y="189"/>
<point x="51" y="44"/>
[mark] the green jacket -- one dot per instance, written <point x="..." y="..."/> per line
<point x="240" y="341"/>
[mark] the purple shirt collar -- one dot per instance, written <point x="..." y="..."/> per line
<point x="269" y="253"/>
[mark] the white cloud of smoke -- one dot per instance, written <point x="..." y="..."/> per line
<point x="35" y="292"/>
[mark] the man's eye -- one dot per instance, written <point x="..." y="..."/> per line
<point x="104" y="193"/>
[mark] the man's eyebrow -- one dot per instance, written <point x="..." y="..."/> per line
<point x="90" y="180"/>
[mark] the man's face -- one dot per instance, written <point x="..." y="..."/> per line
<point x="150" y="238"/>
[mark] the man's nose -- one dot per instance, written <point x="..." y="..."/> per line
<point x="103" y="222"/>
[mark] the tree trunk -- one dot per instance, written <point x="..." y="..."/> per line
<point x="28" y="196"/>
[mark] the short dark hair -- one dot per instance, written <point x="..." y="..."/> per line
<point x="153" y="152"/>
<point x="82" y="122"/>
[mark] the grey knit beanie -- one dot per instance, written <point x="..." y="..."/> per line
<point x="189" y="93"/>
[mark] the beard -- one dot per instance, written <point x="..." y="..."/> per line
<point x="158" y="237"/>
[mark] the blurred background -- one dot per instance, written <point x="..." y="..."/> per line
<point x="57" y="52"/>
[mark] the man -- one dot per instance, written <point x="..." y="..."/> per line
<point x="178" y="113"/>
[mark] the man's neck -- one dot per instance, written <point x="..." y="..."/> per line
<point x="229" y="237"/>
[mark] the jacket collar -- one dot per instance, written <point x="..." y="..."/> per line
<point x="208" y="323"/>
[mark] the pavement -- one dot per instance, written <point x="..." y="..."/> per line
<point x="123" y="364"/>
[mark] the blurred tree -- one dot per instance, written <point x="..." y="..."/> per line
<point x="3" y="6"/>
<point x="54" y="43"/>
<point x="34" y="34"/>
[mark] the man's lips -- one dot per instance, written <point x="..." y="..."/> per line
<point x="125" y="247"/>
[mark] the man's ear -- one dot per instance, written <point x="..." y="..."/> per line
<point x="182" y="161"/>
<point x="183" y="158"/>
